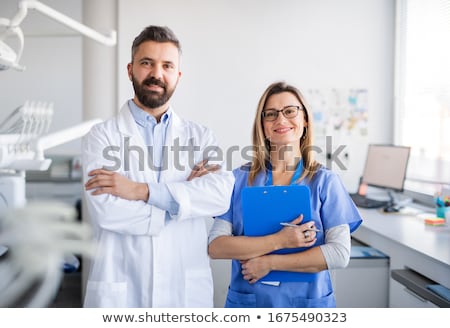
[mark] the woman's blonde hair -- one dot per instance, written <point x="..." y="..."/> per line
<point x="261" y="146"/>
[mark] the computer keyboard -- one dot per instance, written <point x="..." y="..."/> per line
<point x="362" y="201"/>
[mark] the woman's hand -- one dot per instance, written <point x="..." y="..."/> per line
<point x="302" y="235"/>
<point x="256" y="268"/>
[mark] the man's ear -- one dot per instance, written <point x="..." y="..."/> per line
<point x="130" y="71"/>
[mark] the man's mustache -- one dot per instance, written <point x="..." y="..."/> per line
<point x="153" y="81"/>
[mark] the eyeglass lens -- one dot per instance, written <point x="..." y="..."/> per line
<point x="288" y="112"/>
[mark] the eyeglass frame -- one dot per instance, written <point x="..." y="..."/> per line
<point x="278" y="111"/>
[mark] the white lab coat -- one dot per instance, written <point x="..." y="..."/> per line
<point x="143" y="260"/>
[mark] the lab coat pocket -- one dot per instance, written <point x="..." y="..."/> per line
<point x="199" y="288"/>
<point x="106" y="294"/>
<point x="240" y="300"/>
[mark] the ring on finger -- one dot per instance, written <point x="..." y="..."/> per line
<point x="306" y="234"/>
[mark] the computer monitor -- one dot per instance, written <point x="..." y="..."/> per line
<point x="386" y="166"/>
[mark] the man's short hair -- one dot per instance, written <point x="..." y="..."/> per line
<point x="157" y="34"/>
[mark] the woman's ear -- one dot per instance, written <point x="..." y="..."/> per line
<point x="305" y="130"/>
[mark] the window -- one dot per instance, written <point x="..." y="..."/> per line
<point x="422" y="107"/>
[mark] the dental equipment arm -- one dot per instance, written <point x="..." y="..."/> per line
<point x="9" y="58"/>
<point x="24" y="5"/>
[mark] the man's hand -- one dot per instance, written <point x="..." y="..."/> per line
<point x="202" y="168"/>
<point x="108" y="182"/>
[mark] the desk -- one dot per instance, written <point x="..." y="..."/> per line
<point x="409" y="243"/>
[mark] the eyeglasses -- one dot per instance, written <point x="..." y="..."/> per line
<point x="270" y="115"/>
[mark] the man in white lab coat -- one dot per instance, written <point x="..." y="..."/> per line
<point x="145" y="197"/>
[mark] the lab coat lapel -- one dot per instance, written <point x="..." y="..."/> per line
<point x="134" y="148"/>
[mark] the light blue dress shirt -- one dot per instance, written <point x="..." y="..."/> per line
<point x="154" y="135"/>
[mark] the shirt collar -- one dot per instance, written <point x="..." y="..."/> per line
<point x="298" y="172"/>
<point x="143" y="118"/>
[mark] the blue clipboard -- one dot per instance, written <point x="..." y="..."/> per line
<point x="265" y="207"/>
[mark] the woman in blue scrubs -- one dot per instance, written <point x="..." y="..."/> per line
<point x="283" y="155"/>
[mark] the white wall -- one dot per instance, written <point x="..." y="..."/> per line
<point x="233" y="49"/>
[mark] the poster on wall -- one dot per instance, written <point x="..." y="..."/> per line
<point x="339" y="112"/>
<point x="340" y="117"/>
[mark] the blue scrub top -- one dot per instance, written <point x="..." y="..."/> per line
<point x="331" y="206"/>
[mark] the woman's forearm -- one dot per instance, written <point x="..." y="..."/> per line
<point x="242" y="247"/>
<point x="311" y="260"/>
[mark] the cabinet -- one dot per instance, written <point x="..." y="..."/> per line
<point x="364" y="283"/>
<point x="402" y="297"/>
<point x="410" y="289"/>
<point x="412" y="247"/>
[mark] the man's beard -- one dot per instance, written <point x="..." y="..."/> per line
<point x="149" y="98"/>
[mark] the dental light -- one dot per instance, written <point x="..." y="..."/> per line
<point x="9" y="58"/>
